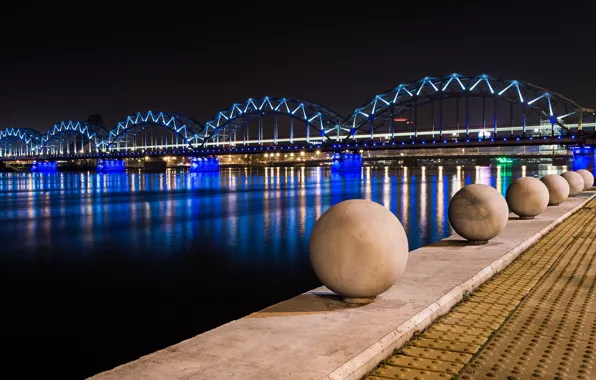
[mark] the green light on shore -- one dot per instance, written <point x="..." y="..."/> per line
<point x="504" y="160"/>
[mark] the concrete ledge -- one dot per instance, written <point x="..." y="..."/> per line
<point x="315" y="336"/>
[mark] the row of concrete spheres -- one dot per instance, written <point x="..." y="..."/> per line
<point x="359" y="249"/>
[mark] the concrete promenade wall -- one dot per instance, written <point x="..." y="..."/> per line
<point x="316" y="337"/>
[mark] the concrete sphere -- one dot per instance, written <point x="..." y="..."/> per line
<point x="575" y="181"/>
<point x="588" y="178"/>
<point x="478" y="213"/>
<point x="358" y="249"/>
<point x="527" y="197"/>
<point x="558" y="188"/>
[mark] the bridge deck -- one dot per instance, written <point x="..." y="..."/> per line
<point x="536" y="319"/>
<point x="510" y="141"/>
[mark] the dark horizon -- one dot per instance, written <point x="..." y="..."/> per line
<point x="338" y="58"/>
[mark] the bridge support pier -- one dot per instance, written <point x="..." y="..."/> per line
<point x="111" y="166"/>
<point x="346" y="162"/>
<point x="204" y="164"/>
<point x="44" y="167"/>
<point x="584" y="158"/>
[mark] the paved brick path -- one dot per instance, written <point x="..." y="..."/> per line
<point x="536" y="319"/>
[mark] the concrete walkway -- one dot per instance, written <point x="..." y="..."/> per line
<point x="534" y="320"/>
<point x="314" y="336"/>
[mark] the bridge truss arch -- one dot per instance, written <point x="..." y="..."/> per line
<point x="316" y="123"/>
<point x="19" y="141"/>
<point x="548" y="110"/>
<point x="57" y="140"/>
<point x="133" y="133"/>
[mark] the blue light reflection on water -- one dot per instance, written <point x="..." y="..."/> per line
<point x="242" y="211"/>
<point x="155" y="247"/>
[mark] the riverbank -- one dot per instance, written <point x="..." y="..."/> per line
<point x="314" y="336"/>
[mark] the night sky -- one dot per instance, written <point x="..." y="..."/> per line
<point x="199" y="61"/>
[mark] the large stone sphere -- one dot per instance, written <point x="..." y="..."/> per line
<point x="588" y="178"/>
<point x="558" y="188"/>
<point x="478" y="213"/>
<point x="575" y="181"/>
<point x="527" y="197"/>
<point x="358" y="249"/>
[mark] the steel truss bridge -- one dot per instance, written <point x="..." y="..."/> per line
<point x="443" y="111"/>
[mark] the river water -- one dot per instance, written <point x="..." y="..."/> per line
<point x="97" y="270"/>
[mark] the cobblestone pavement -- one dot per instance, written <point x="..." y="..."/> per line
<point x="534" y="320"/>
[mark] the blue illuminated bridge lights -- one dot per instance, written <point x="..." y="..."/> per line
<point x="204" y="164"/>
<point x="111" y="166"/>
<point x="346" y="162"/>
<point x="44" y="167"/>
<point x="387" y="119"/>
